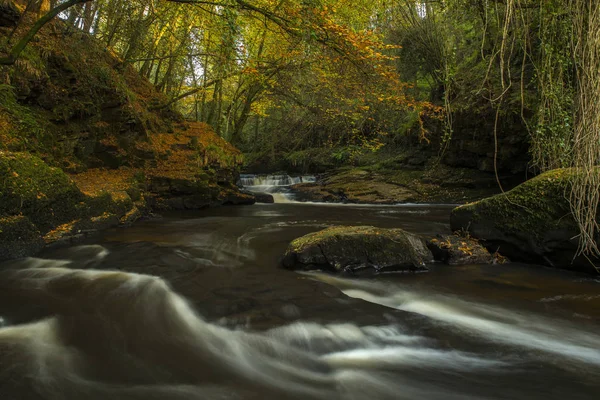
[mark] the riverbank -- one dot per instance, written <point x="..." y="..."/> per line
<point x="42" y="205"/>
<point x="87" y="143"/>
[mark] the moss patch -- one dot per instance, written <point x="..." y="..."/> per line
<point x="337" y="232"/>
<point x="358" y="249"/>
<point x="535" y="207"/>
<point x="46" y="195"/>
<point x="17" y="228"/>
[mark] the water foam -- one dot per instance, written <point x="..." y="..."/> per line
<point x="114" y="334"/>
<point x="277" y="185"/>
<point x="491" y="323"/>
<point x="131" y="329"/>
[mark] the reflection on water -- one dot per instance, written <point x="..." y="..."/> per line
<point x="194" y="307"/>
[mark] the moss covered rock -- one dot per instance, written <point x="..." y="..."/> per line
<point x="28" y="186"/>
<point x="117" y="202"/>
<point x="356" y="249"/>
<point x="18" y="238"/>
<point x="531" y="223"/>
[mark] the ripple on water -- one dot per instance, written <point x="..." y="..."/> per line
<point x="540" y="335"/>
<point x="584" y="297"/>
<point x="403" y="211"/>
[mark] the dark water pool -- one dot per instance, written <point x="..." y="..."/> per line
<point x="224" y="322"/>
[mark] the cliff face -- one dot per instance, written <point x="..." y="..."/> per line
<point x="74" y="113"/>
<point x="474" y="145"/>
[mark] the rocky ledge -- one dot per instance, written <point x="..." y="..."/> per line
<point x="531" y="223"/>
<point x="358" y="250"/>
<point x="462" y="250"/>
<point x="382" y="185"/>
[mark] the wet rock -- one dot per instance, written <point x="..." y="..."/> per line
<point x="233" y="196"/>
<point x="18" y="238"/>
<point x="457" y="250"/>
<point x="358" y="250"/>
<point x="193" y="193"/>
<point x="131" y="216"/>
<point x="77" y="230"/>
<point x="530" y="223"/>
<point x="389" y="183"/>
<point x="193" y="202"/>
<point x="264" y="197"/>
<point x="358" y="188"/>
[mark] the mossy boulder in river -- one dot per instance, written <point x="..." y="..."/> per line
<point x="531" y="223"/>
<point x="358" y="249"/>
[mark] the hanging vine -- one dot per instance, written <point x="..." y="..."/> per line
<point x="585" y="193"/>
<point x="552" y="129"/>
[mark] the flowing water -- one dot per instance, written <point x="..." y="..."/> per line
<point x="276" y="185"/>
<point x="194" y="306"/>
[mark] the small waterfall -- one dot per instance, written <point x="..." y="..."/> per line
<point x="278" y="185"/>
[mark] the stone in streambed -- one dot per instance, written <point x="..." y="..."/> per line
<point x="456" y="250"/>
<point x="259" y="197"/>
<point x="264" y="197"/>
<point x="358" y="249"/>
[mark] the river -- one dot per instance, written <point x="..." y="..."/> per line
<point x="194" y="306"/>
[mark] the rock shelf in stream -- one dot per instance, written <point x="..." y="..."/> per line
<point x="459" y="250"/>
<point x="358" y="250"/>
<point x="260" y="197"/>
